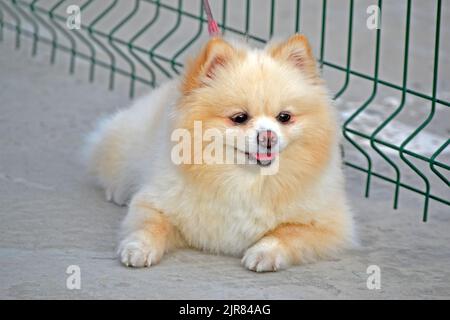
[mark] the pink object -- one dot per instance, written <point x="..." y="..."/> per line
<point x="265" y="156"/>
<point x="213" y="28"/>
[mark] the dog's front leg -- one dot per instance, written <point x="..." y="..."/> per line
<point x="292" y="243"/>
<point x="146" y="234"/>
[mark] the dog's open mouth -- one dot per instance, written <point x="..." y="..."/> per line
<point x="263" y="159"/>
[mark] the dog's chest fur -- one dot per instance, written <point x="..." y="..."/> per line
<point x="227" y="221"/>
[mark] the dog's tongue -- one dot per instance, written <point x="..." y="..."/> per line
<point x="265" y="156"/>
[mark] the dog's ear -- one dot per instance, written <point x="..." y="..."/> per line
<point x="214" y="55"/>
<point x="297" y="51"/>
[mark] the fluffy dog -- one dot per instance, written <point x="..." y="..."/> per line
<point x="273" y="98"/>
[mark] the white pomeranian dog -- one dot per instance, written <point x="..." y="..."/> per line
<point x="272" y="98"/>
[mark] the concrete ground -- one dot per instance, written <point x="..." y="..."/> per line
<point x="53" y="217"/>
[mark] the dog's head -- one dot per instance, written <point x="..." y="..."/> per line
<point x="270" y="105"/>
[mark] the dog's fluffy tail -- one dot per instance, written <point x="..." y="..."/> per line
<point x="105" y="158"/>
<point x="119" y="152"/>
<point x="95" y="153"/>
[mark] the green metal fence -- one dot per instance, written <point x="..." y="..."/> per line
<point x="146" y="41"/>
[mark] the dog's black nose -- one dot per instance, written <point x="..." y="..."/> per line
<point x="267" y="138"/>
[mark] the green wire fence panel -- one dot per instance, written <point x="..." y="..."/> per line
<point x="385" y="62"/>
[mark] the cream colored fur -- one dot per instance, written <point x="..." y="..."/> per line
<point x="296" y="216"/>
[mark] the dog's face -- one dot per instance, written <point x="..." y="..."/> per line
<point x="269" y="105"/>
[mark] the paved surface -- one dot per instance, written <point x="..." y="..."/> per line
<point x="52" y="216"/>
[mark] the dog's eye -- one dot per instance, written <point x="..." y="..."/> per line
<point x="240" y="118"/>
<point x="284" y="117"/>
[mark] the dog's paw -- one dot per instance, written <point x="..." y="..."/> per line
<point x="136" y="252"/>
<point x="117" y="196"/>
<point x="266" y="255"/>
